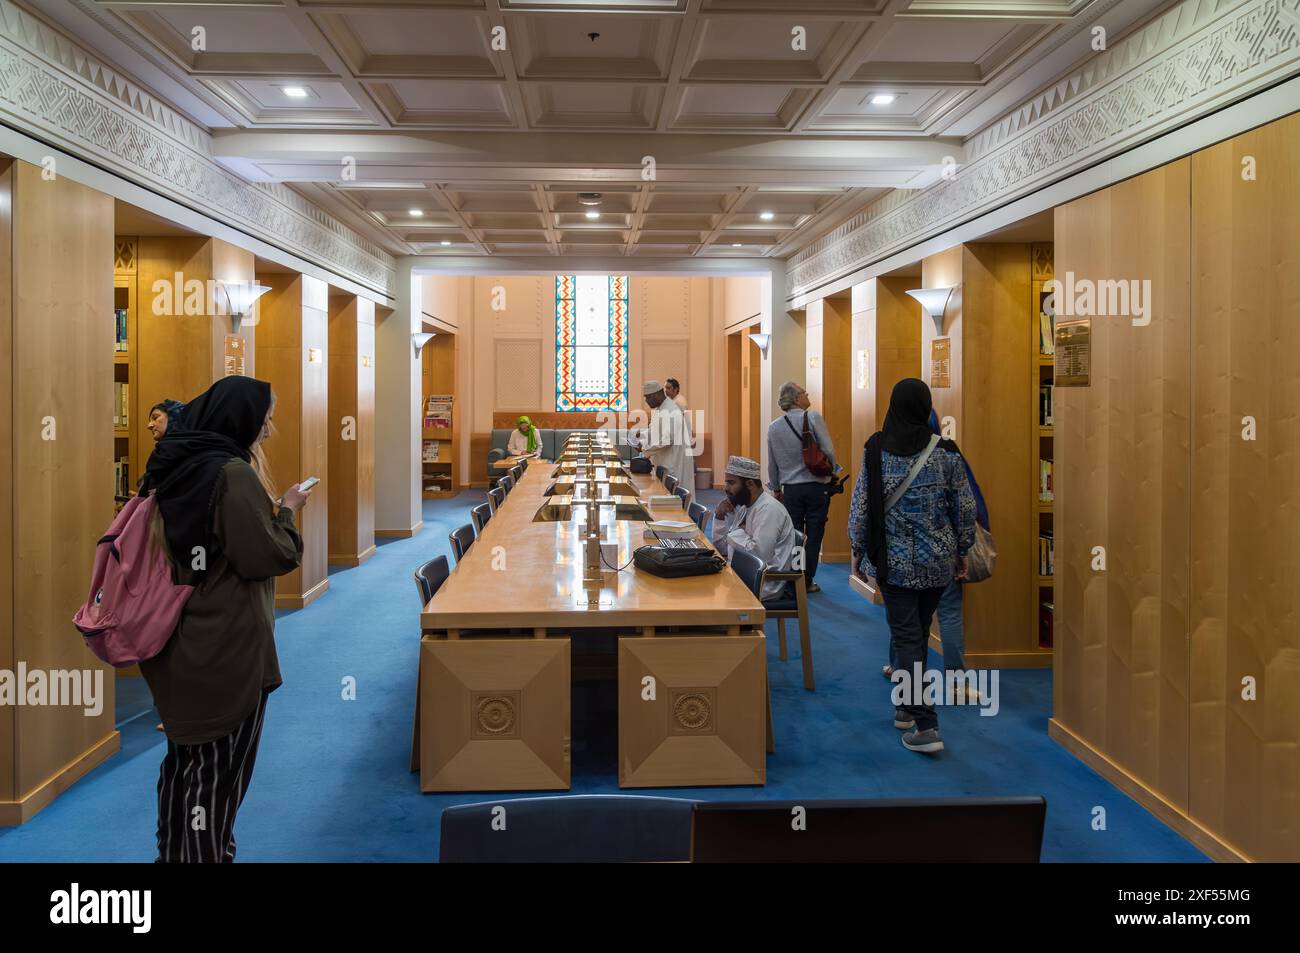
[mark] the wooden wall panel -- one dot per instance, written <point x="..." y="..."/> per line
<point x="737" y="394"/>
<point x="351" y="450"/>
<point x="753" y="427"/>
<point x="887" y="327"/>
<point x="1123" y="461"/>
<point x="828" y="342"/>
<point x="294" y="324"/>
<point x="7" y="660"/>
<point x="1245" y="496"/>
<point x="62" y="488"/>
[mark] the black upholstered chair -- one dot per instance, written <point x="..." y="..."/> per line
<point x="496" y="496"/>
<point x="585" y="828"/>
<point x="517" y="471"/>
<point x="479" y="516"/>
<point x="699" y="514"/>
<point x="660" y="472"/>
<point x="670" y="483"/>
<point x="753" y="573"/>
<point x="506" y="483"/>
<point x="462" y="538"/>
<point x="684" y="495"/>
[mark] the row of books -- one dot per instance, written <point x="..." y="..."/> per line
<point x="1046" y="340"/>
<point x="1045" y="405"/>
<point x="1046" y="555"/>
<point x="1045" y="481"/>
<point x="121" y="479"/>
<point x="121" y="404"/>
<point x="119" y="317"/>
<point x="430" y="454"/>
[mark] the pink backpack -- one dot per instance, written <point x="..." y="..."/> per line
<point x="133" y="604"/>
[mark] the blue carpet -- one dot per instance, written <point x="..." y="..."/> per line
<point x="332" y="781"/>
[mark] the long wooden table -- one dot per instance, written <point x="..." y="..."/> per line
<point x="493" y="712"/>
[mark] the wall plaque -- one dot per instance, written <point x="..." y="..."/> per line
<point x="234" y="351"/>
<point x="941" y="362"/>
<point x="1073" y="357"/>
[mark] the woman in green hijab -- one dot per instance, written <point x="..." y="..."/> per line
<point x="524" y="439"/>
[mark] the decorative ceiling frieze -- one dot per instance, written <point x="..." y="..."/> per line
<point x="1187" y="62"/>
<point x="56" y="91"/>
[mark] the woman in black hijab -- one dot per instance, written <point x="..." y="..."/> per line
<point x="914" y="548"/>
<point x="226" y="537"/>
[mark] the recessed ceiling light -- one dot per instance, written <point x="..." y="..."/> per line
<point x="295" y="92"/>
<point x="593" y="215"/>
<point x="735" y="244"/>
<point x="767" y="216"/>
<point x="589" y="198"/>
<point x="445" y="242"/>
<point x="417" y="213"/>
<point x="882" y="99"/>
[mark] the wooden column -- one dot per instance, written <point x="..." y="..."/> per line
<point x="886" y="349"/>
<point x="989" y="403"/>
<point x="292" y="353"/>
<point x="1244" y="668"/>
<point x="828" y="353"/>
<point x="56" y="473"/>
<point x="351" y="430"/>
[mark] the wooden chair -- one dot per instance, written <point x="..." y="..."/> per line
<point x="699" y="514"/>
<point x="479" y="516"/>
<point x="462" y="538"/>
<point x="428" y="580"/>
<point x="496" y="496"/>
<point x="753" y="573"/>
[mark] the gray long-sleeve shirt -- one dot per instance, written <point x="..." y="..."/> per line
<point x="785" y="448"/>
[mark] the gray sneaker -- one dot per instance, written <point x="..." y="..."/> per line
<point x="927" y="741"/>
<point x="903" y="720"/>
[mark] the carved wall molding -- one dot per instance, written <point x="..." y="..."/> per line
<point x="55" y="90"/>
<point x="1184" y="64"/>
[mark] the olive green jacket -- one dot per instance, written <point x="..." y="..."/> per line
<point x="213" y="670"/>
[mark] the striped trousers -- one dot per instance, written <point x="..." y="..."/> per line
<point x="200" y="787"/>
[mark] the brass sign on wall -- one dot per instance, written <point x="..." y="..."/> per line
<point x="234" y="353"/>
<point x="1073" y="358"/>
<point x="941" y="362"/>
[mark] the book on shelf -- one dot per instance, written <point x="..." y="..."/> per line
<point x="1046" y="555"/>
<point x="431" y="451"/>
<point x="1046" y="337"/>
<point x="119" y="319"/>
<point x="1045" y="481"/>
<point x="1046" y="612"/>
<point x="439" y="405"/>
<point x="121" y="479"/>
<point x="121" y="404"/>
<point x="1045" y="405"/>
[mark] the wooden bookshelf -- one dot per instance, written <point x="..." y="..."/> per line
<point x="1042" y="432"/>
<point x="125" y="251"/>
<point x="438" y="359"/>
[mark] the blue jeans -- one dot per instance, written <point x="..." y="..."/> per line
<point x="951" y="632"/>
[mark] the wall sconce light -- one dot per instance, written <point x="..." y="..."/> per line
<point x="934" y="301"/>
<point x="241" y="295"/>
<point x="419" y="339"/>
<point x="763" y="341"/>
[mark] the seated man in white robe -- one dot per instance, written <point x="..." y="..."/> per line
<point x="751" y="518"/>
<point x="666" y="441"/>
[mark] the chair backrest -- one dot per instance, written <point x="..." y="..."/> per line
<point x="670" y="483"/>
<point x="496" y="496"/>
<point x="517" y="471"/>
<point x="523" y="465"/>
<point x="660" y="471"/>
<point x="506" y="483"/>
<point x="905" y="830"/>
<point x="430" y="577"/>
<point x="699" y="514"/>
<point x="584" y="828"/>
<point x="749" y="568"/>
<point x="479" y="516"/>
<point x="462" y="538"/>
<point x="684" y="494"/>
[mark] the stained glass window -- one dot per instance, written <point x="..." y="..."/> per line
<point x="590" y="342"/>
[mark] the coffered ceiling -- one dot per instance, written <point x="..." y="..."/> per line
<point x="489" y="117"/>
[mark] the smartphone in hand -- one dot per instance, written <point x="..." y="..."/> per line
<point x="308" y="483"/>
